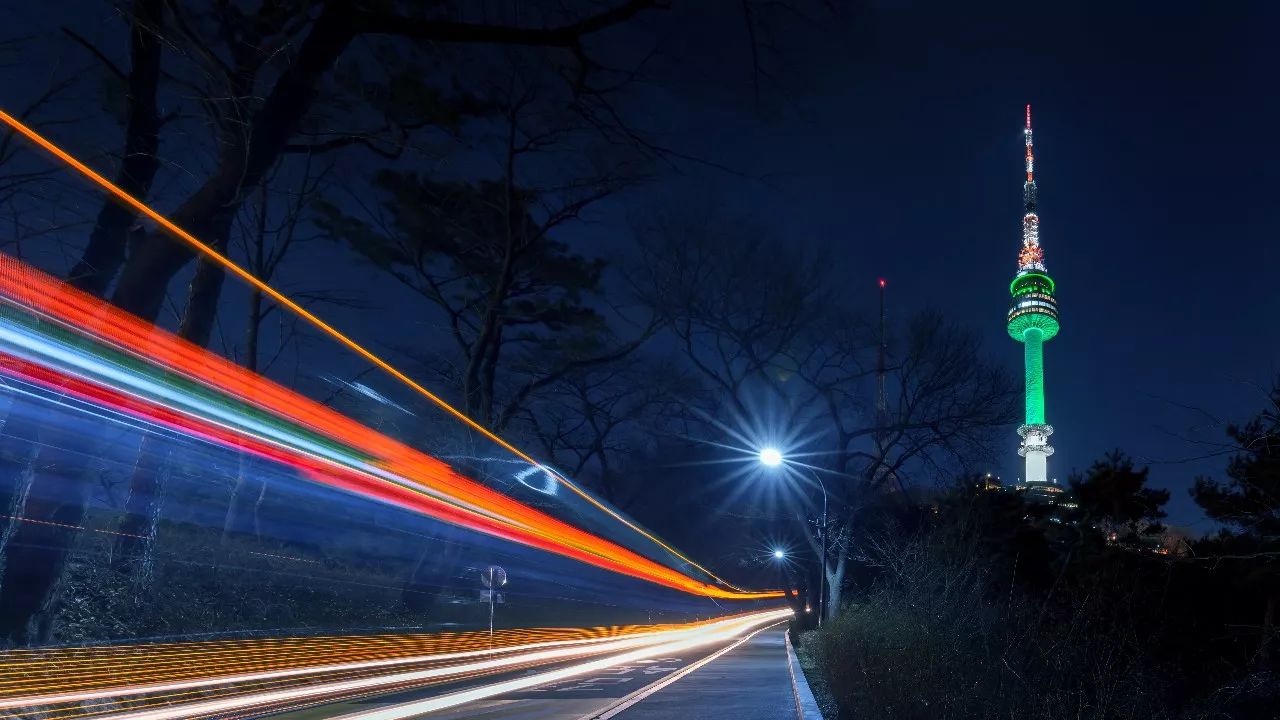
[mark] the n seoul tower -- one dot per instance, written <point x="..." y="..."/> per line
<point x="1033" y="321"/>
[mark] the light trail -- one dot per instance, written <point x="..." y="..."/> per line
<point x="68" y="342"/>
<point x="78" y="353"/>
<point x="289" y="304"/>
<point x="118" y="690"/>
<point x="444" y="702"/>
<point x="249" y="697"/>
<point x="76" y="674"/>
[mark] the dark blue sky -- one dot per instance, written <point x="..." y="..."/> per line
<point x="894" y="132"/>
<point x="1155" y="150"/>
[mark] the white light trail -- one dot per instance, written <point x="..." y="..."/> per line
<point x="444" y="702"/>
<point x="646" y="645"/>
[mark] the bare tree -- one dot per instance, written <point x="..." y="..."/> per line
<point x="595" y="420"/>
<point x="756" y="322"/>
<point x="945" y="404"/>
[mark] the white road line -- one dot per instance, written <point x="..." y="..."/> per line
<point x="623" y="703"/>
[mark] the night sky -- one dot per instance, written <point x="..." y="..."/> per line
<point x="894" y="131"/>
<point x="1155" y="157"/>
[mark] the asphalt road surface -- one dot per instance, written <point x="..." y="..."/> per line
<point x="741" y="679"/>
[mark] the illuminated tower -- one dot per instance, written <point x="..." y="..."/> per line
<point x="1033" y="321"/>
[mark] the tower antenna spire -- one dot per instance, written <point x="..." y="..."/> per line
<point x="882" y="398"/>
<point x="1031" y="257"/>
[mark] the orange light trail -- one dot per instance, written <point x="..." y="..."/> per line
<point x="249" y="677"/>
<point x="248" y="277"/>
<point x="76" y="675"/>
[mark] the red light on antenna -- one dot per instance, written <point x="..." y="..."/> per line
<point x="1028" y="117"/>
<point x="882" y="282"/>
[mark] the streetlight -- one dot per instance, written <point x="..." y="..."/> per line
<point x="779" y="554"/>
<point x="772" y="457"/>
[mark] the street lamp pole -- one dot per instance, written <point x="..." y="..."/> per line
<point x="822" y="560"/>
<point x="772" y="457"/>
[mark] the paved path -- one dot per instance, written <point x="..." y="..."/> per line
<point x="750" y="682"/>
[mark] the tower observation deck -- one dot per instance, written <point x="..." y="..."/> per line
<point x="1033" y="321"/>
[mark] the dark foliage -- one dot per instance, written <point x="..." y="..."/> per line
<point x="997" y="607"/>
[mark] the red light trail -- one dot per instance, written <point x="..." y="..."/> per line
<point x="292" y="306"/>
<point x="375" y="466"/>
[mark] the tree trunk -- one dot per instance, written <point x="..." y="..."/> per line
<point x="54" y="512"/>
<point x="207" y="214"/>
<point x="147" y="483"/>
<point x="252" y="331"/>
<point x="202" y="298"/>
<point x="133" y="551"/>
<point x="835" y="585"/>
<point x="16" y="449"/>
<point x="105" y="252"/>
<point x="1268" y="631"/>
<point x="34" y="561"/>
<point x="242" y="510"/>
<point x="488" y="380"/>
<point x="432" y="573"/>
<point x="247" y="494"/>
<point x="241" y="517"/>
<point x="483" y="357"/>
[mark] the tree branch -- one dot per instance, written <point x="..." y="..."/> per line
<point x="81" y="41"/>
<point x="566" y="36"/>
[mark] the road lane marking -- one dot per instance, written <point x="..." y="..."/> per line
<point x="623" y="703"/>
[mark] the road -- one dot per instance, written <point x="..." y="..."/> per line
<point x="549" y="672"/>
<point x="743" y="678"/>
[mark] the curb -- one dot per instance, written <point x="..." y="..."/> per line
<point x="806" y="705"/>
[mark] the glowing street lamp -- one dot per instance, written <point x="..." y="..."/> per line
<point x="772" y="457"/>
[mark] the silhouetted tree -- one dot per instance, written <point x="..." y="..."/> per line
<point x="522" y="308"/>
<point x="1248" y="503"/>
<point x="1115" y="494"/>
<point x="592" y="422"/>
<point x="260" y="97"/>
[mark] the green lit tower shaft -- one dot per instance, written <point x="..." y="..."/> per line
<point x="1033" y="321"/>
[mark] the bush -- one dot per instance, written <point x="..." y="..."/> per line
<point x="930" y="641"/>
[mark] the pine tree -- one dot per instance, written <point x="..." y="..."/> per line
<point x="1248" y="504"/>
<point x="1114" y="495"/>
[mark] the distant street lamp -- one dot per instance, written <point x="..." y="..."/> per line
<point x="772" y="457"/>
<point x="779" y="554"/>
